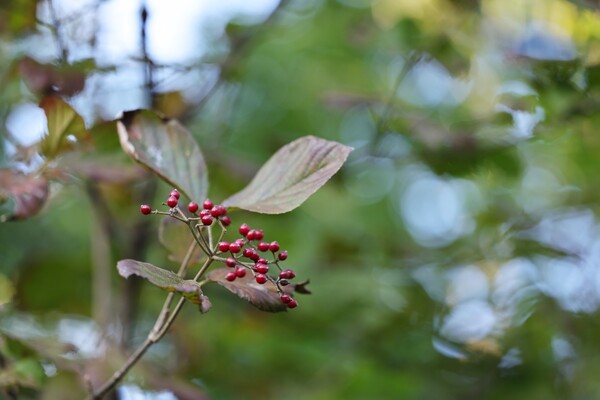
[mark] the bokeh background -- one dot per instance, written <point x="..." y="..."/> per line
<point x="455" y="256"/>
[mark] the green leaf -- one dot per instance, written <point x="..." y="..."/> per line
<point x="166" y="148"/>
<point x="62" y="122"/>
<point x="7" y="290"/>
<point x="176" y="238"/>
<point x="21" y="196"/>
<point x="24" y="373"/>
<point x="166" y="280"/>
<point x="264" y="297"/>
<point x="291" y="175"/>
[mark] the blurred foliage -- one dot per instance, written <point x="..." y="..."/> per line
<point x="455" y="256"/>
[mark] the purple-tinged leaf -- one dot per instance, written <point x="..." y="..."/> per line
<point x="48" y="78"/>
<point x="263" y="297"/>
<point x="21" y="196"/>
<point x="167" y="148"/>
<point x="63" y="121"/>
<point x="166" y="280"/>
<point x="291" y="175"/>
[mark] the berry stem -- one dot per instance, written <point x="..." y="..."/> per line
<point x="208" y="249"/>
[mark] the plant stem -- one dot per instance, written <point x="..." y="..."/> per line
<point x="158" y="331"/>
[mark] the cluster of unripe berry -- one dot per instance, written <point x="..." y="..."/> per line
<point x="243" y="253"/>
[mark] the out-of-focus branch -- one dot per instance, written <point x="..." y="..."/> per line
<point x="56" y="30"/>
<point x="102" y="232"/>
<point x="148" y="63"/>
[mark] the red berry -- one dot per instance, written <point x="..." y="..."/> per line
<point x="206" y="220"/>
<point x="145" y="209"/>
<point x="217" y="211"/>
<point x="263" y="246"/>
<point x="240" y="241"/>
<point x="292" y="304"/>
<point x="222" y="209"/>
<point x="262" y="261"/>
<point x="225" y="220"/>
<point x="261" y="268"/>
<point x="224" y="246"/>
<point x="283" y="255"/>
<point x="249" y="252"/>
<point x="174" y="193"/>
<point x="230" y="276"/>
<point x="287" y="274"/>
<point x="274" y="246"/>
<point x="251" y="235"/>
<point x="240" y="272"/>
<point x="259" y="234"/>
<point x="172" y="201"/>
<point x="286" y="298"/>
<point x="207" y="205"/>
<point x="230" y="262"/>
<point x="260" y="278"/>
<point x="244" y="229"/>
<point x="204" y="213"/>
<point x="234" y="248"/>
<point x="193" y="207"/>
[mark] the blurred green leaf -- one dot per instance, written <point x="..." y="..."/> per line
<point x="7" y="290"/>
<point x="26" y="372"/>
<point x="63" y="121"/>
<point x="291" y="176"/>
<point x="167" y="148"/>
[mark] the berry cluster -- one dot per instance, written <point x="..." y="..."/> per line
<point x="243" y="254"/>
<point x="207" y="215"/>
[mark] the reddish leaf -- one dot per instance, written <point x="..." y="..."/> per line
<point x="51" y="79"/>
<point x="291" y="175"/>
<point x="166" y="280"/>
<point x="21" y="195"/>
<point x="167" y="149"/>
<point x="263" y="297"/>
